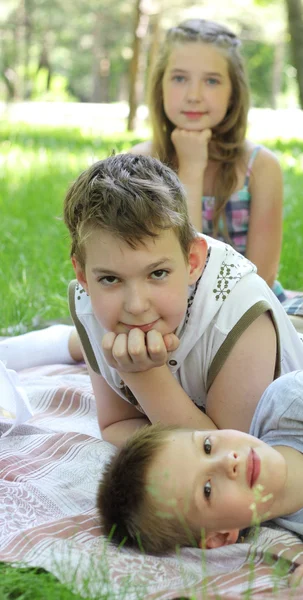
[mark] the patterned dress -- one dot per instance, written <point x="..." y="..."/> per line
<point x="237" y="211"/>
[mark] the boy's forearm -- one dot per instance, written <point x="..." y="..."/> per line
<point x="119" y="432"/>
<point x="163" y="399"/>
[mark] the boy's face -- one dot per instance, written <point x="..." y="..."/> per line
<point x="145" y="287"/>
<point x="212" y="478"/>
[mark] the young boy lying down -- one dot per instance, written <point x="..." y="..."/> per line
<point x="171" y="486"/>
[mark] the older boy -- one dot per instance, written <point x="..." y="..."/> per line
<point x="166" y="486"/>
<point x="172" y="324"/>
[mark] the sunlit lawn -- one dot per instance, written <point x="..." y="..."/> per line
<point x="37" y="165"/>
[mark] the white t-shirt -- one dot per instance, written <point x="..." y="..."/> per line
<point x="228" y="297"/>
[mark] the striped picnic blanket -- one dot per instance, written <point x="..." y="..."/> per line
<point x="49" y="472"/>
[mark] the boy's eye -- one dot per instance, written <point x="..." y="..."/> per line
<point x="207" y="446"/>
<point x="108" y="280"/>
<point x="207" y="490"/>
<point x="159" y="274"/>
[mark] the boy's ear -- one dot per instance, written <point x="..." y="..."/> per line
<point x="219" y="538"/>
<point x="80" y="273"/>
<point x="197" y="258"/>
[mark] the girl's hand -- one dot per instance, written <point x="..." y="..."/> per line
<point x="136" y="351"/>
<point x="191" y="147"/>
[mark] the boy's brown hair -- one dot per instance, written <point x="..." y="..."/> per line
<point x="133" y="197"/>
<point x="128" y="505"/>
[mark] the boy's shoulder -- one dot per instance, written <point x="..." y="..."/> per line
<point x="280" y="407"/>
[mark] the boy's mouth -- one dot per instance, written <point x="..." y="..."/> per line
<point x="145" y="328"/>
<point x="253" y="468"/>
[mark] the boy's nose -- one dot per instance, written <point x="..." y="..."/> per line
<point x="136" y="301"/>
<point x="229" y="463"/>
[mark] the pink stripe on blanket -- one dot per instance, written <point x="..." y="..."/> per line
<point x="49" y="472"/>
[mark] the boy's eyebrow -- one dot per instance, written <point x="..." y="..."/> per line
<point x="150" y="267"/>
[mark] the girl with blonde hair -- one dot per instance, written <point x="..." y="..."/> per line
<point x="199" y="100"/>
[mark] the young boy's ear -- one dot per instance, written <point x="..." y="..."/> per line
<point x="80" y="273"/>
<point x="197" y="258"/>
<point x="220" y="538"/>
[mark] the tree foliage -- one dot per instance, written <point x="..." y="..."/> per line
<point x="96" y="51"/>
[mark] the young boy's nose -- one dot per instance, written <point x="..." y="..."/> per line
<point x="229" y="463"/>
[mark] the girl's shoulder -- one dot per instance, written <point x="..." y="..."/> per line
<point x="262" y="167"/>
<point x="262" y="156"/>
<point x="144" y="148"/>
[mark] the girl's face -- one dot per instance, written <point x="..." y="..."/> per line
<point x="196" y="86"/>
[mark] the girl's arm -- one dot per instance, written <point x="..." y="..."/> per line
<point x="192" y="153"/>
<point x="265" y="223"/>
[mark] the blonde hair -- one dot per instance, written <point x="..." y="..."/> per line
<point x="228" y="137"/>
<point x="129" y="507"/>
<point x="132" y="197"/>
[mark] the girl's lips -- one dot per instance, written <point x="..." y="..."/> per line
<point x="194" y="115"/>
<point x="145" y="328"/>
<point x="253" y="468"/>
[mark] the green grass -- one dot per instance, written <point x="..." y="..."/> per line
<point x="37" y="166"/>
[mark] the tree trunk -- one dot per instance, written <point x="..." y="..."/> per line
<point x="101" y="63"/>
<point x="277" y="72"/>
<point x="132" y="98"/>
<point x="295" y="25"/>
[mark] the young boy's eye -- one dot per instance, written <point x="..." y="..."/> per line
<point x="108" y="280"/>
<point x="207" y="490"/>
<point x="159" y="274"/>
<point x="207" y="446"/>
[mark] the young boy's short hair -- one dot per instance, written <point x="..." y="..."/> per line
<point x="129" y="507"/>
<point x="132" y="197"/>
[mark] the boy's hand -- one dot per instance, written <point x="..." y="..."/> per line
<point x="136" y="351"/>
<point x="191" y="147"/>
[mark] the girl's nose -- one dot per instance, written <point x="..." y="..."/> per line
<point x="194" y="92"/>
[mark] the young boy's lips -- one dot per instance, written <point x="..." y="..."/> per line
<point x="253" y="468"/>
<point x="145" y="328"/>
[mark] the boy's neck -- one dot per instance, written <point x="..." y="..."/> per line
<point x="291" y="498"/>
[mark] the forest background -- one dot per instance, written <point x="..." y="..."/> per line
<point x="73" y="77"/>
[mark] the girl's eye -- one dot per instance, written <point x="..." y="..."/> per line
<point x="108" y="280"/>
<point x="207" y="446"/>
<point x="207" y="490"/>
<point x="159" y="274"/>
<point x="179" y="78"/>
<point x="212" y="81"/>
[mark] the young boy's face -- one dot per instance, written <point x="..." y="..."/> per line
<point x="145" y="287"/>
<point x="212" y="477"/>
